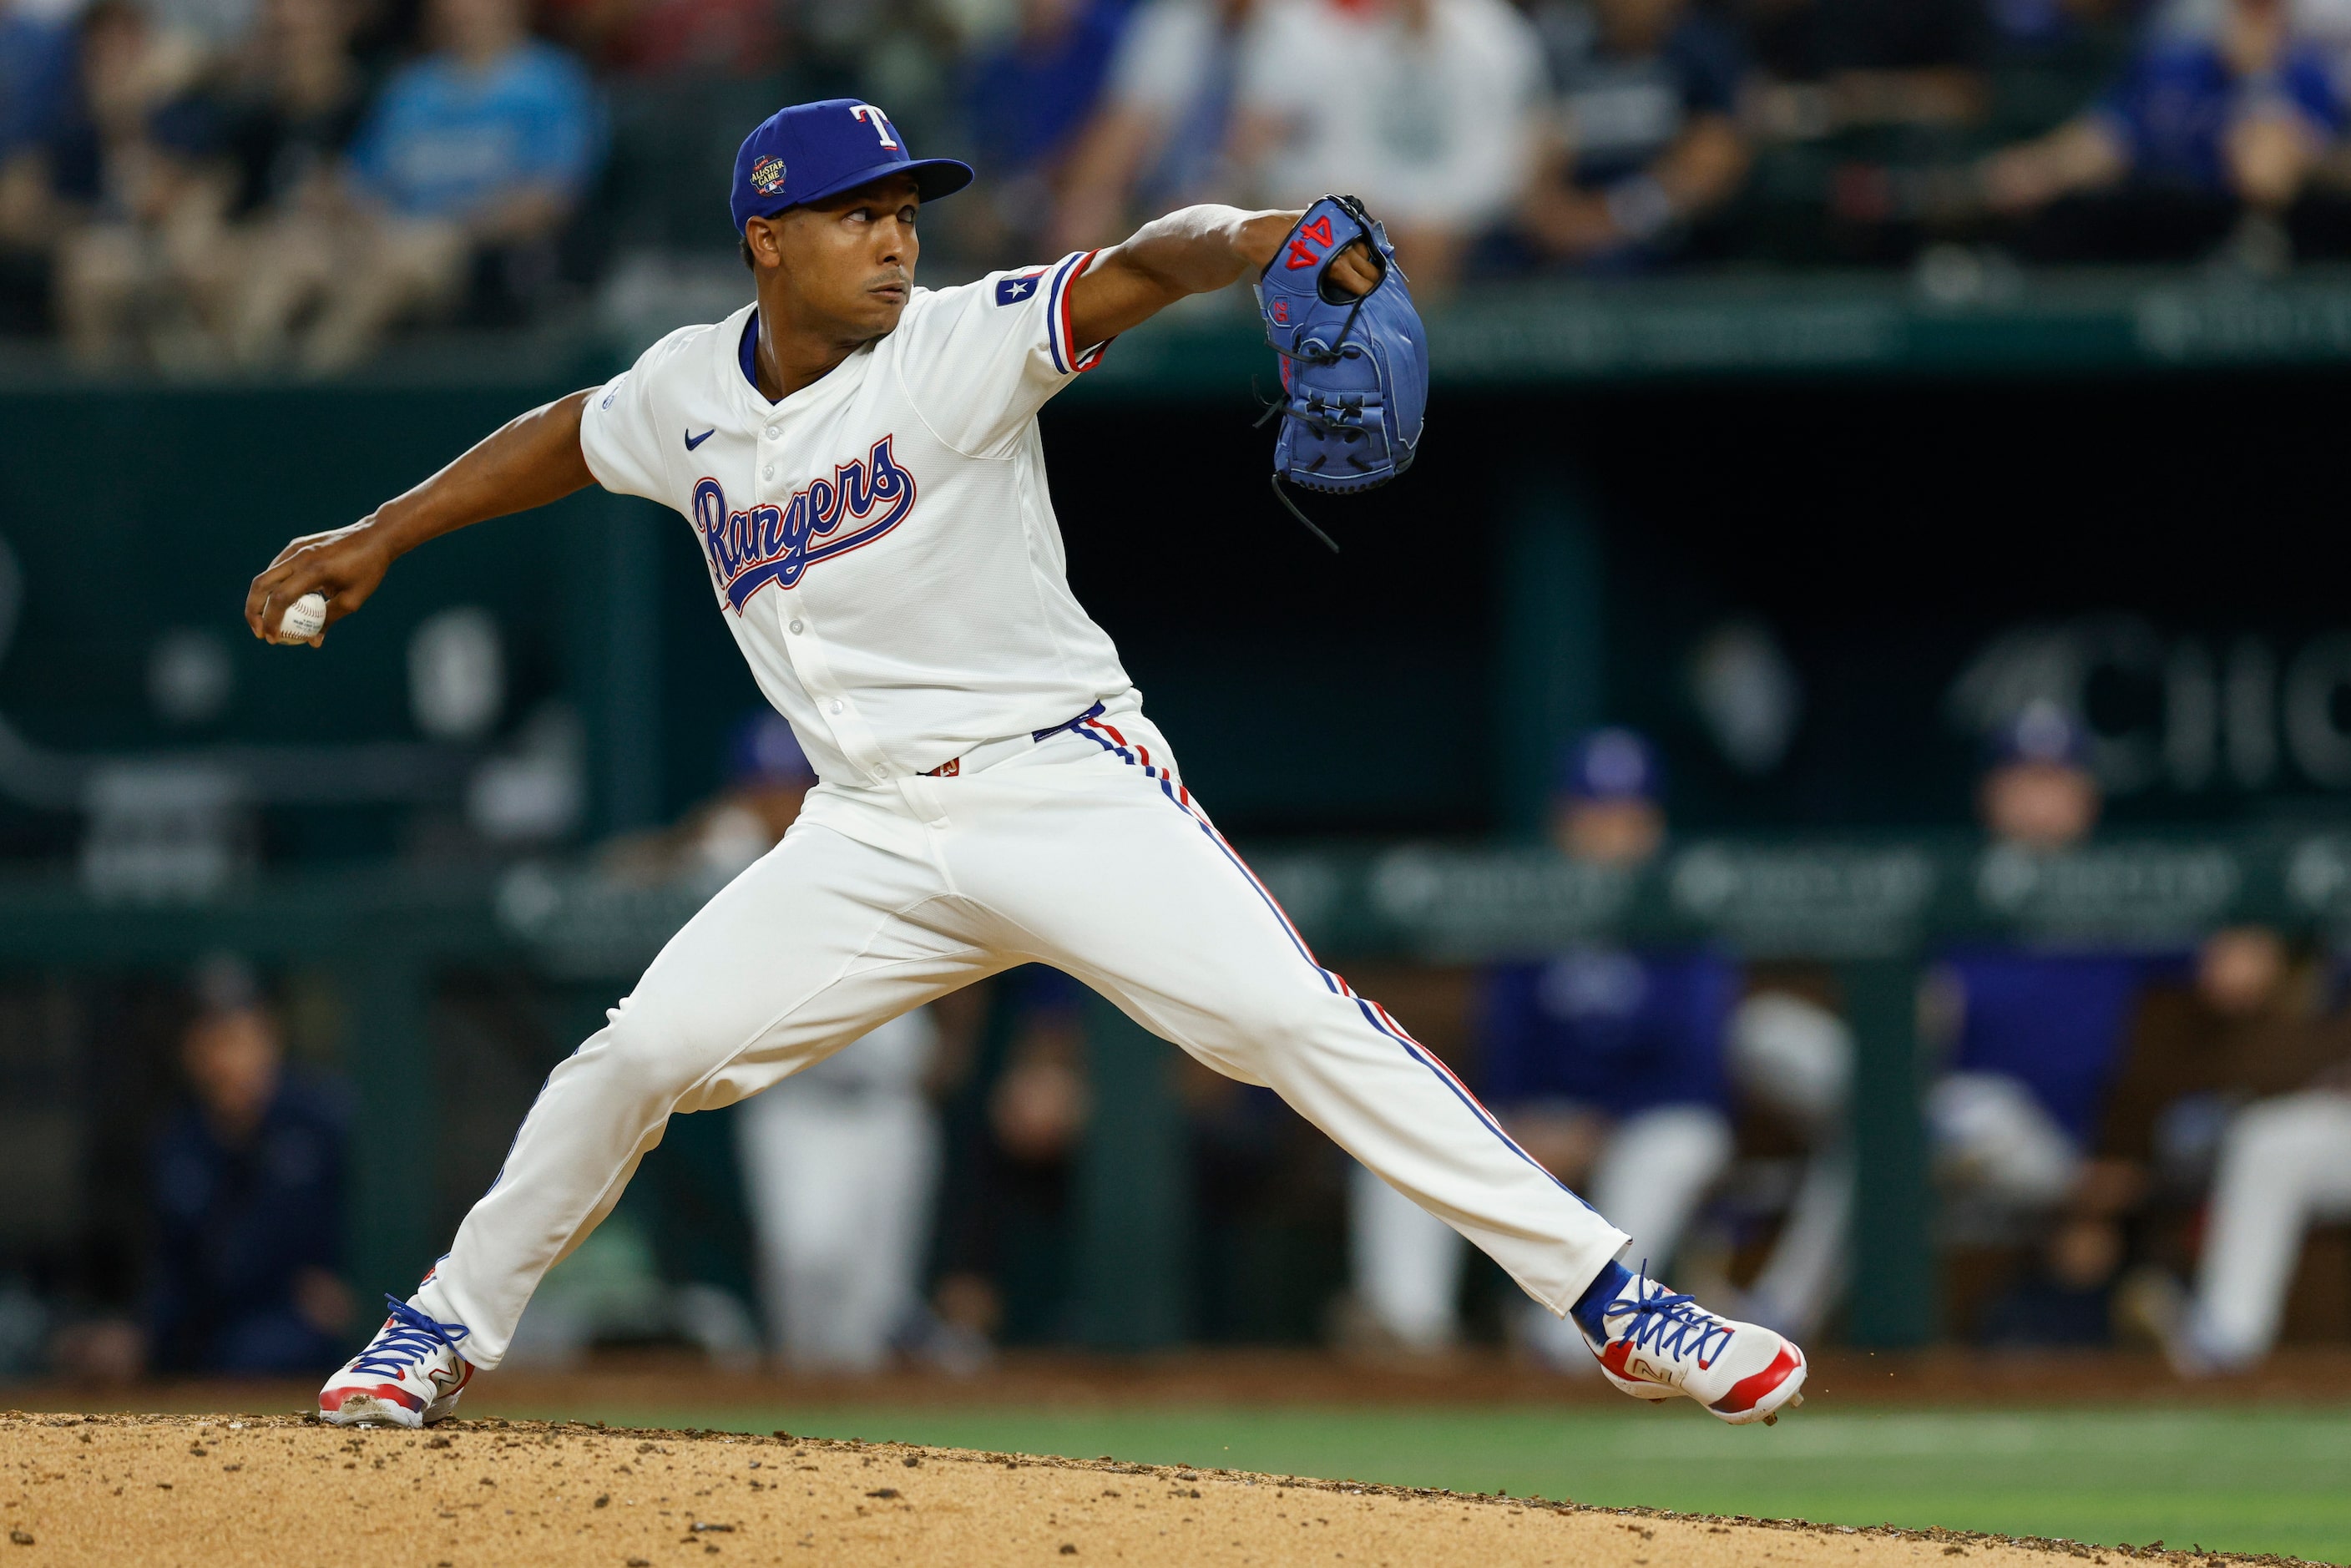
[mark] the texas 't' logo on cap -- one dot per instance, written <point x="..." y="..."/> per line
<point x="835" y="145"/>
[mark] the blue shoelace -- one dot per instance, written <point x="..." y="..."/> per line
<point x="408" y="1336"/>
<point x="1663" y="1324"/>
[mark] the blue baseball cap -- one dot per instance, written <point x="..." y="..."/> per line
<point x="2040" y="731"/>
<point x="763" y="750"/>
<point x="1611" y="765"/>
<point x="807" y="151"/>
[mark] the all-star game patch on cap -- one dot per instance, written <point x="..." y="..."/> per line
<point x="808" y="151"/>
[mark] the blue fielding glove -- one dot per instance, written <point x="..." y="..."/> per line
<point x="1355" y="372"/>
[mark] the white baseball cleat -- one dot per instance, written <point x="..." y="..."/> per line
<point x="410" y="1374"/>
<point x="1660" y="1344"/>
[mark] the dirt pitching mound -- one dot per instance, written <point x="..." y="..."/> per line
<point x="198" y="1492"/>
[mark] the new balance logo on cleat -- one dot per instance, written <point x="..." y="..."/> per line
<point x="1660" y="1344"/>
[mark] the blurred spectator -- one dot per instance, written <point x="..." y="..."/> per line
<point x="289" y="118"/>
<point x="36" y="90"/>
<point x="841" y="1162"/>
<point x="1040" y="1104"/>
<point x="1159" y="140"/>
<point x="1425" y="109"/>
<point x="35" y="68"/>
<point x="1264" y="1191"/>
<point x="122" y="188"/>
<point x="2201" y="130"/>
<point x="1003" y="1267"/>
<point x="1790" y="1059"/>
<point x="1831" y="65"/>
<point x="2286" y="1166"/>
<point x="37" y="56"/>
<point x="2245" y="1025"/>
<point x="1645" y="141"/>
<point x="2038" y="796"/>
<point x="213" y="30"/>
<point x="2051" y="57"/>
<point x="767" y="779"/>
<point x="1607" y="808"/>
<point x="1609" y="1068"/>
<point x="172" y="271"/>
<point x="1028" y="99"/>
<point x="249" y="1192"/>
<point x="2240" y="1087"/>
<point x="2031" y="1037"/>
<point x="474" y="156"/>
<point x="674" y="37"/>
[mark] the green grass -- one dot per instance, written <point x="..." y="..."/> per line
<point x="2276" y="1480"/>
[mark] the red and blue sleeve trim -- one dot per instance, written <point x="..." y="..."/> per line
<point x="1066" y="358"/>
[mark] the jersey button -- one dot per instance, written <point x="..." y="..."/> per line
<point x="836" y="706"/>
<point x="796" y="628"/>
<point x="768" y="472"/>
<point x="773" y="432"/>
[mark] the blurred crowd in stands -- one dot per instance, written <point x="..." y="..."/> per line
<point x="2142" y="1144"/>
<point x="209" y="184"/>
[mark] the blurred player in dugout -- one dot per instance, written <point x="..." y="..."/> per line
<point x="841" y="1162"/>
<point x="247" y="1180"/>
<point x="2101" y="1103"/>
<point x="1618" y="1070"/>
<point x="2030" y="1037"/>
<point x="2226" y="1138"/>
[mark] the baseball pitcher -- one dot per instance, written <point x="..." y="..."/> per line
<point x="860" y="463"/>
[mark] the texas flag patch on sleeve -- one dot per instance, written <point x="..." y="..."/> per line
<point x="1013" y="290"/>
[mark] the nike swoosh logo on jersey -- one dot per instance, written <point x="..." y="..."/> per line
<point x="693" y="441"/>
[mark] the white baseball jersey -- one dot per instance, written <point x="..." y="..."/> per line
<point x="882" y="542"/>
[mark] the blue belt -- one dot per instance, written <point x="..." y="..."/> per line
<point x="954" y="767"/>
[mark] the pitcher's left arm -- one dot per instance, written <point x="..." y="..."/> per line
<point x="1195" y="250"/>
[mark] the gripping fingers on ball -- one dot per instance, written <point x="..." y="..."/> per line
<point x="278" y="613"/>
<point x="269" y="587"/>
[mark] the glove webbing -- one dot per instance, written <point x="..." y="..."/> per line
<point x="1331" y="357"/>
<point x="1318" y="425"/>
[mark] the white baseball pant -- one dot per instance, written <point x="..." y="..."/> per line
<point x="2285" y="1164"/>
<point x="1084" y="851"/>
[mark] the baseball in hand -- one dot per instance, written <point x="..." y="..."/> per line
<point x="303" y="619"/>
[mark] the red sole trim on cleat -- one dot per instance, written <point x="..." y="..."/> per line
<point x="1749" y="1392"/>
<point x="333" y="1398"/>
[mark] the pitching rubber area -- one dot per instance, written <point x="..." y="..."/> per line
<point x="201" y="1490"/>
